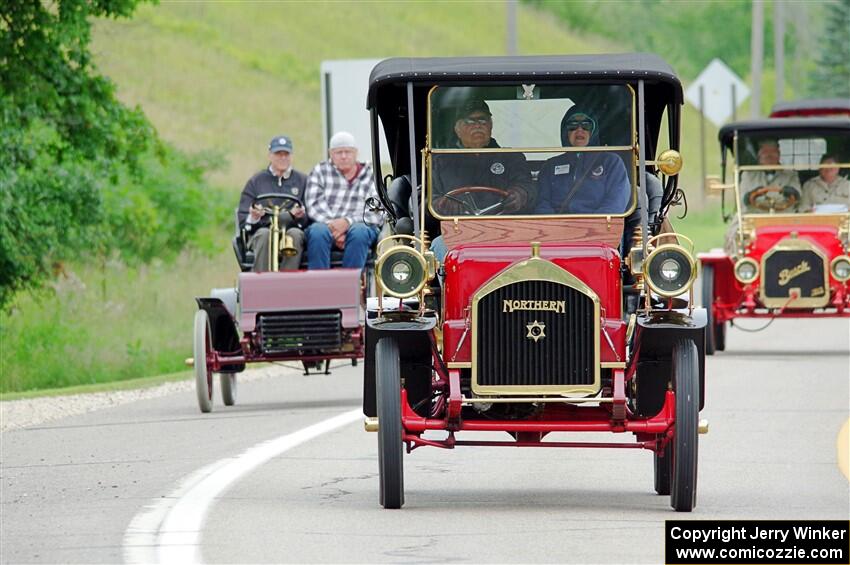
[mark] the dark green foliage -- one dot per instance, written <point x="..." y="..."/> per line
<point x="80" y="173"/>
<point x="687" y="34"/>
<point x="831" y="76"/>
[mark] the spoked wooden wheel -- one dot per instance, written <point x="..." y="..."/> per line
<point x="203" y="376"/>
<point x="228" y="388"/>
<point x="683" y="491"/>
<point x="390" y="461"/>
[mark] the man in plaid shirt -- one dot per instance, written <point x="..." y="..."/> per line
<point x="335" y="198"/>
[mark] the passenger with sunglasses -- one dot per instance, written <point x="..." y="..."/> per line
<point x="582" y="182"/>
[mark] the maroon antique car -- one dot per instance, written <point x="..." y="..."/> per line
<point x="786" y="250"/>
<point x="309" y="317"/>
<point x="564" y="311"/>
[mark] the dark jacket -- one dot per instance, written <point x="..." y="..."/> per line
<point x="583" y="183"/>
<point x="496" y="170"/>
<point x="265" y="182"/>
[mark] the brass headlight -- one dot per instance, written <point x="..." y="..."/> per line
<point x="669" y="162"/>
<point x="402" y="271"/>
<point x="840" y="267"/>
<point x="746" y="270"/>
<point x="669" y="270"/>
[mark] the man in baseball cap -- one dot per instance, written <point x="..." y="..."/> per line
<point x="279" y="177"/>
<point x="280" y="143"/>
<point x="337" y="190"/>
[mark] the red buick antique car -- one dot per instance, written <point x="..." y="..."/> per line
<point x="786" y="251"/>
<point x="529" y="287"/>
<point x="305" y="316"/>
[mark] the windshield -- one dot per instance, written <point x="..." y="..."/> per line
<point x="531" y="150"/>
<point x="793" y="173"/>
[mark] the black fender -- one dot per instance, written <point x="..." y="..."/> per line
<point x="655" y="334"/>
<point x="223" y="333"/>
<point x="414" y="345"/>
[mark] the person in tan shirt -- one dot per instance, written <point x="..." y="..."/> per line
<point x="826" y="188"/>
<point x="785" y="183"/>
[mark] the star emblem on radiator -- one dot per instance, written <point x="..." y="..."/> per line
<point x="536" y="330"/>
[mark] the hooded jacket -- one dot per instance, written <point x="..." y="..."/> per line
<point x="583" y="183"/>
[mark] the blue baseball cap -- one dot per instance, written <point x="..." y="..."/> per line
<point x="280" y="143"/>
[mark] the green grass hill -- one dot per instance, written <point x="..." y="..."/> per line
<point x="221" y="78"/>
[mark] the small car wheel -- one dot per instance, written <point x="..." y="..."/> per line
<point x="683" y="493"/>
<point x="228" y="388"/>
<point x="707" y="303"/>
<point x="720" y="336"/>
<point x="662" y="470"/>
<point x="203" y="376"/>
<point x="390" y="461"/>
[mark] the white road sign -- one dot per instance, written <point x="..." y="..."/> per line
<point x="717" y="81"/>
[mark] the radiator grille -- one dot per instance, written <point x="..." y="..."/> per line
<point x="299" y="332"/>
<point x="565" y="355"/>
<point x="798" y="268"/>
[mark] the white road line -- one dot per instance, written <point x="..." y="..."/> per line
<point x="169" y="531"/>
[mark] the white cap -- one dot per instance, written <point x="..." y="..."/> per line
<point x="342" y="139"/>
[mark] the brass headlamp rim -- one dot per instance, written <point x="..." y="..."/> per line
<point x="832" y="267"/>
<point x="691" y="262"/>
<point x="741" y="262"/>
<point x="651" y="241"/>
<point x="401" y="249"/>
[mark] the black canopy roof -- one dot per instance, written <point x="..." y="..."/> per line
<point x="779" y="126"/>
<point x="388" y="87"/>
<point x="609" y="67"/>
<point x="813" y="106"/>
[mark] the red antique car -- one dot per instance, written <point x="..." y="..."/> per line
<point x="811" y="108"/>
<point x="529" y="288"/>
<point x="309" y="317"/>
<point x="786" y="250"/>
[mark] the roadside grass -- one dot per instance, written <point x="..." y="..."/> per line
<point x="227" y="76"/>
<point x="705" y="227"/>
<point x="107" y="323"/>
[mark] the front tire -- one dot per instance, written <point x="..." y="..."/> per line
<point x="203" y="376"/>
<point x="390" y="461"/>
<point x="708" y="304"/>
<point x="662" y="470"/>
<point x="228" y="388"/>
<point x="720" y="336"/>
<point x="685" y="444"/>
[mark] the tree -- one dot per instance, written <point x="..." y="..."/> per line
<point x="80" y="174"/>
<point x="831" y="76"/>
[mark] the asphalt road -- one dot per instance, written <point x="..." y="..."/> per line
<point x="124" y="484"/>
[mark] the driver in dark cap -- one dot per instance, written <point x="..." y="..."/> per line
<point x="281" y="178"/>
<point x="473" y="128"/>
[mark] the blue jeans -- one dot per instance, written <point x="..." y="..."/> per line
<point x="359" y="240"/>
<point x="439" y="248"/>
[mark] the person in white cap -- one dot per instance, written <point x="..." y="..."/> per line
<point x="281" y="178"/>
<point x="336" y="195"/>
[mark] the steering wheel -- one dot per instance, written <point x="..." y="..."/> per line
<point x="464" y="196"/>
<point x="277" y="196"/>
<point x="773" y="198"/>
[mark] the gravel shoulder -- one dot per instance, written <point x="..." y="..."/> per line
<point x="27" y="412"/>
